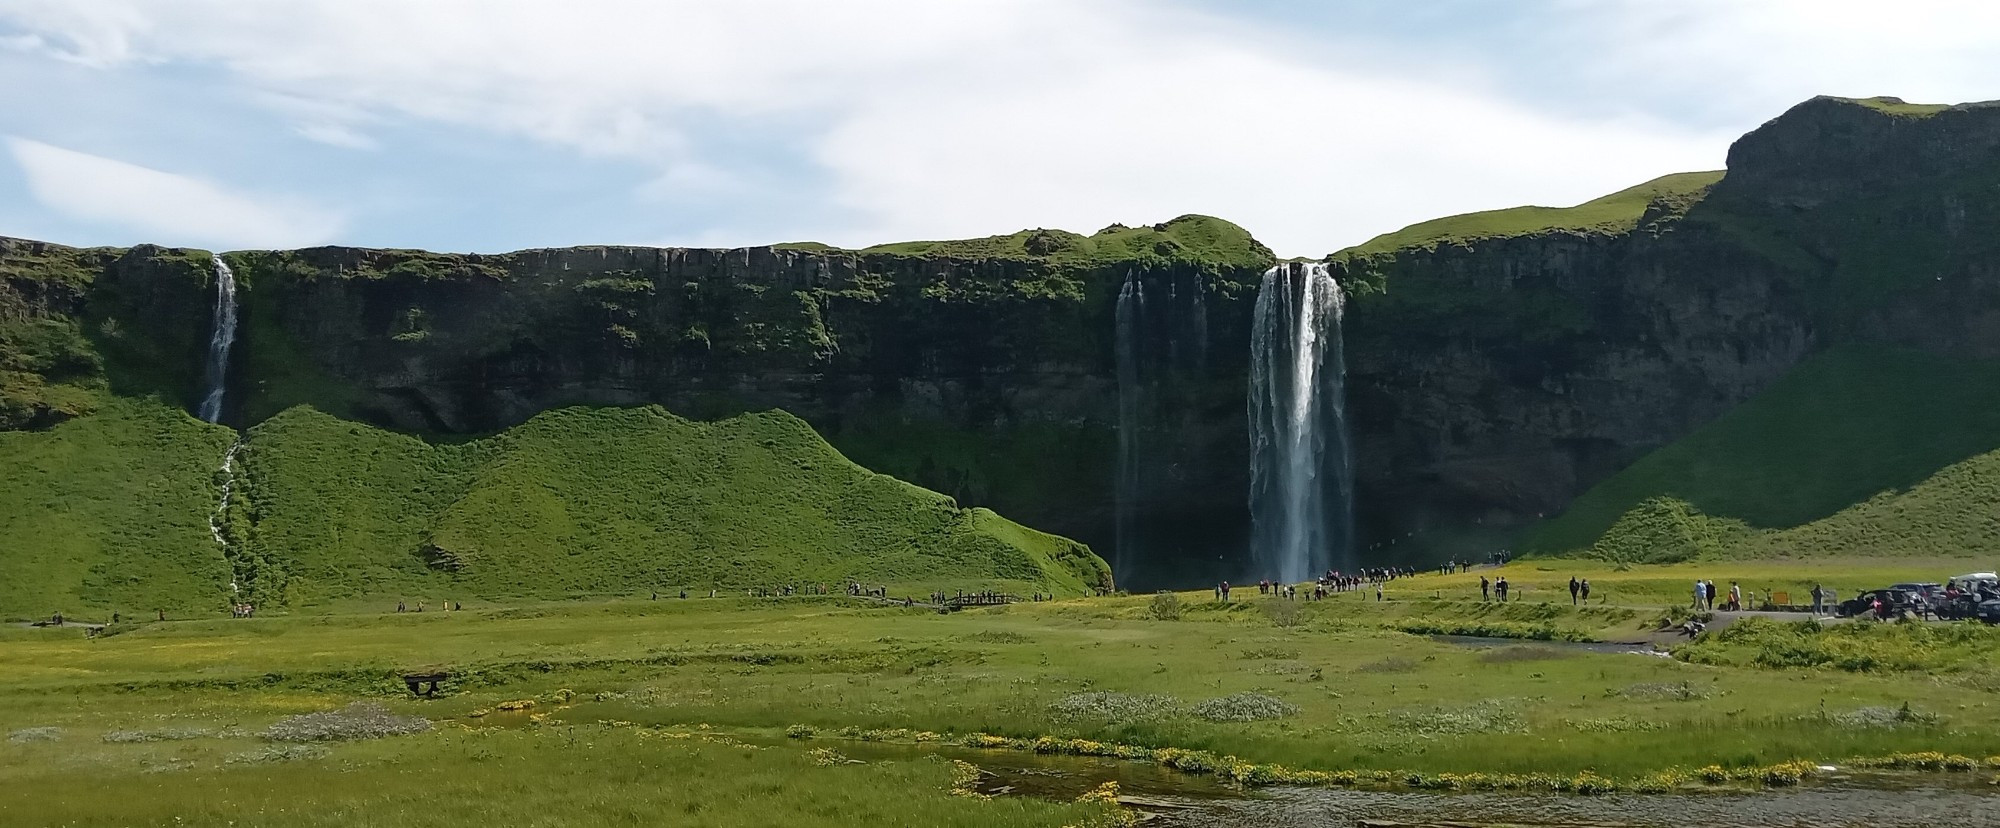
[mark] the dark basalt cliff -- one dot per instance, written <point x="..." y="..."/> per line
<point x="1499" y="367"/>
<point x="1499" y="363"/>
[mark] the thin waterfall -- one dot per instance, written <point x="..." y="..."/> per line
<point x="1301" y="464"/>
<point x="1131" y="319"/>
<point x="219" y="518"/>
<point x="220" y="338"/>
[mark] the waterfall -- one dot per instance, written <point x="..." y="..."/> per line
<point x="1131" y="317"/>
<point x="1301" y="466"/>
<point x="219" y="518"/>
<point x="220" y="338"/>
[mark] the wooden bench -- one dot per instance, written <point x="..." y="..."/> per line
<point x="424" y="684"/>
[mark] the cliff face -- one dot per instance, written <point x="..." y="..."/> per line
<point x="989" y="377"/>
<point x="1504" y="362"/>
<point x="1500" y="363"/>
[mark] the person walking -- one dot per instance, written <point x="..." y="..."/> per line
<point x="1485" y="589"/>
<point x="1573" y="588"/>
<point x="1819" y="599"/>
<point x="1585" y="586"/>
<point x="1735" y="597"/>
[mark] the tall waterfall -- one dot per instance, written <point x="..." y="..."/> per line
<point x="1131" y="316"/>
<point x="220" y="338"/>
<point x="1301" y="466"/>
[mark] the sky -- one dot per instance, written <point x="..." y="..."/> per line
<point x="495" y="125"/>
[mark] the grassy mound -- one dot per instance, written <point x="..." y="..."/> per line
<point x="595" y="501"/>
<point x="110" y="512"/>
<point x="1618" y="212"/>
<point x="1861" y="450"/>
<point x="1188" y="238"/>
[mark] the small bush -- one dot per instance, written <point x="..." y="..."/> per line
<point x="1885" y="717"/>
<point x="1165" y="606"/>
<point x="801" y="731"/>
<point x="1115" y="708"/>
<point x="35" y="734"/>
<point x="360" y="720"/>
<point x="1244" y="707"/>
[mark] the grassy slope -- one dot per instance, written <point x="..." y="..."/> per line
<point x="1615" y="213"/>
<point x="1191" y="237"/>
<point x="110" y="512"/>
<point x="1856" y="436"/>
<point x="614" y="500"/>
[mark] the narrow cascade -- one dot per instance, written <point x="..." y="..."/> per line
<point x="219" y="340"/>
<point x="1131" y="316"/>
<point x="1301" y="464"/>
<point x="220" y="517"/>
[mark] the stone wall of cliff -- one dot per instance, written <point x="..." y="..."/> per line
<point x="990" y="378"/>
<point x="1497" y="376"/>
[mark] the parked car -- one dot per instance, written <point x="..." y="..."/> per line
<point x="1931" y="592"/>
<point x="1969" y="596"/>
<point x="1897" y="602"/>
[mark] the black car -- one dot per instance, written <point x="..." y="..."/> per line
<point x="1932" y="593"/>
<point x="1898" y="601"/>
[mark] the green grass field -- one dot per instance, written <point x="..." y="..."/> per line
<point x="630" y="694"/>
<point x="109" y="513"/>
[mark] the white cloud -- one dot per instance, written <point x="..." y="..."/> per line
<point x="932" y="119"/>
<point x="167" y="208"/>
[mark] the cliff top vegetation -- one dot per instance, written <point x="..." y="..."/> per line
<point x="1897" y="106"/>
<point x="1190" y="238"/>
<point x="1618" y="212"/>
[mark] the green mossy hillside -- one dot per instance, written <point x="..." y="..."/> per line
<point x="110" y="512"/>
<point x="1861" y="450"/>
<point x="598" y="501"/>
<point x="1619" y="212"/>
<point x="1190" y="238"/>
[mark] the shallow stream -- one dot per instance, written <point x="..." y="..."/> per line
<point x="1878" y="800"/>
